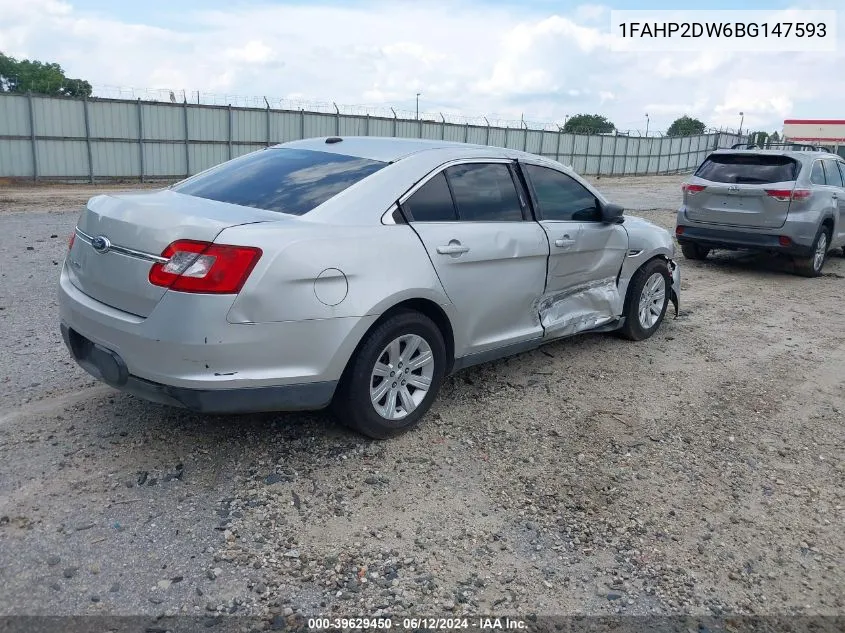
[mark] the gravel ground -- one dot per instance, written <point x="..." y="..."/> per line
<point x="699" y="472"/>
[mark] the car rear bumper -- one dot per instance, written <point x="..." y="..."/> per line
<point x="186" y="354"/>
<point x="733" y="239"/>
<point x="110" y="368"/>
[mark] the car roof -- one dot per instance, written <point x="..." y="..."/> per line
<point x="390" y="150"/>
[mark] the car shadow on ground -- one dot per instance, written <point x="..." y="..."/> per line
<point x="123" y="418"/>
<point x="770" y="264"/>
<point x="135" y="436"/>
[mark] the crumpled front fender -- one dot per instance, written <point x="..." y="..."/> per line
<point x="675" y="294"/>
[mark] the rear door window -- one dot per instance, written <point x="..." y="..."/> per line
<point x="484" y="192"/>
<point x="432" y="202"/>
<point x="279" y="179"/>
<point x="748" y="168"/>
<point x="817" y="174"/>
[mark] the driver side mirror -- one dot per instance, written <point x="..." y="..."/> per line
<point x="611" y="213"/>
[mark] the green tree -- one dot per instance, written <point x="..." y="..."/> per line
<point x="774" y="138"/>
<point x="759" y="138"/>
<point x="588" y="124"/>
<point x="43" y="78"/>
<point x="685" y="126"/>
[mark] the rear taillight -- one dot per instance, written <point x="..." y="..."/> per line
<point x="679" y="230"/>
<point x="204" y="267"/>
<point x="692" y="189"/>
<point x="784" y="240"/>
<point x="788" y="194"/>
<point x="70" y="240"/>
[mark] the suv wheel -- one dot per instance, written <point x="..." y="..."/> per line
<point x="691" y="250"/>
<point x="646" y="300"/>
<point x="812" y="266"/>
<point x="394" y="377"/>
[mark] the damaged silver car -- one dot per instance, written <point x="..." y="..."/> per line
<point x="351" y="272"/>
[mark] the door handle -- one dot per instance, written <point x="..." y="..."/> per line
<point x="454" y="247"/>
<point x="564" y="242"/>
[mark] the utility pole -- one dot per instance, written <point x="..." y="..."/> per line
<point x="741" y="121"/>
<point x="646" y="123"/>
<point x="418" y="106"/>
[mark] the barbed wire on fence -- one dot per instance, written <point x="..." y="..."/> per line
<point x="62" y="120"/>
<point x="79" y="88"/>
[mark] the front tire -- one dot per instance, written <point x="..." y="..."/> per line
<point x="394" y="377"/>
<point x="812" y="266"/>
<point x="646" y="300"/>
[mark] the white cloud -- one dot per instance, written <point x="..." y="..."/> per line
<point x="253" y="52"/>
<point x="692" y="65"/>
<point x="468" y="56"/>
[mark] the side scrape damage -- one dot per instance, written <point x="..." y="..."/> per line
<point x="581" y="308"/>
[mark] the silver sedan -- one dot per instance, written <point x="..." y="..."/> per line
<point x="351" y="272"/>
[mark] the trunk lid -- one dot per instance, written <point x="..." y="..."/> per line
<point x="139" y="226"/>
<point x="742" y="189"/>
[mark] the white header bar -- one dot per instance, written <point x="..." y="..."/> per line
<point x="750" y="31"/>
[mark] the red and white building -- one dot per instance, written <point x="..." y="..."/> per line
<point x="829" y="133"/>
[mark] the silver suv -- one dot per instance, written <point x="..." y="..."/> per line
<point x="776" y="200"/>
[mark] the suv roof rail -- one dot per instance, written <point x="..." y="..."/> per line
<point x="794" y="146"/>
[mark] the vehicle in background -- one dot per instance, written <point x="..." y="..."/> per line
<point x="788" y="200"/>
<point x="356" y="272"/>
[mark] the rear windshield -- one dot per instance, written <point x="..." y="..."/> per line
<point x="291" y="181"/>
<point x="748" y="168"/>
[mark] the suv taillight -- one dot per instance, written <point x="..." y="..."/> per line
<point x="789" y="194"/>
<point x="204" y="267"/>
<point x="692" y="189"/>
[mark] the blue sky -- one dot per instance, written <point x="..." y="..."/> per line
<point x="541" y="59"/>
<point x="145" y="11"/>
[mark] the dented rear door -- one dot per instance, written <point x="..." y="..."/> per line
<point x="489" y="257"/>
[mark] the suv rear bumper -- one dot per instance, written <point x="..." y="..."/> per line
<point x="732" y="239"/>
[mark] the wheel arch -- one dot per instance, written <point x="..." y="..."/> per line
<point x="633" y="263"/>
<point x="830" y="222"/>
<point x="424" y="305"/>
<point x="640" y="265"/>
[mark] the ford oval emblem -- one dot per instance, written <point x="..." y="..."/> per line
<point x="101" y="244"/>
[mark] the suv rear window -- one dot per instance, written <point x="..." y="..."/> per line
<point x="291" y="181"/>
<point x="748" y="168"/>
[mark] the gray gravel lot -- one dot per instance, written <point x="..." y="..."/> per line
<point x="698" y="472"/>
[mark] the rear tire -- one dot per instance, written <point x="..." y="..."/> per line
<point x="383" y="391"/>
<point x="646" y="300"/>
<point x="812" y="266"/>
<point x="691" y="250"/>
